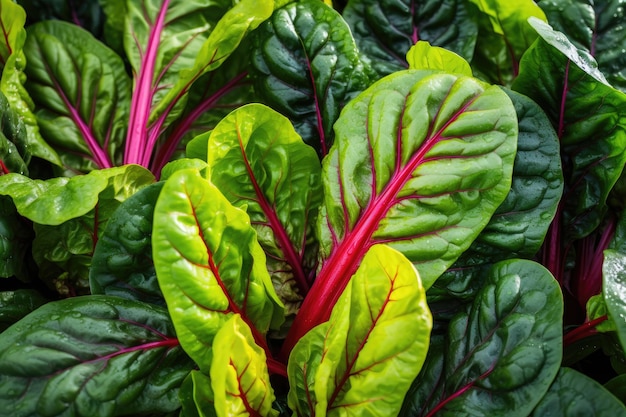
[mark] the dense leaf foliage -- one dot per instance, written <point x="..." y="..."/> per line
<point x="312" y="208"/>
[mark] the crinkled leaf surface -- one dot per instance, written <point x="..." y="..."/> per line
<point x="122" y="260"/>
<point x="209" y="264"/>
<point x="12" y="64"/>
<point x="347" y="366"/>
<point x="14" y="152"/>
<point x="590" y="119"/>
<point x="574" y="394"/>
<point x="501" y="355"/>
<point x="385" y="30"/>
<point x="596" y="27"/>
<point x="519" y="225"/>
<point x="421" y="161"/>
<point x="262" y="165"/>
<point x="307" y="66"/>
<point x="614" y="290"/>
<point x="424" y="56"/>
<point x="170" y="44"/>
<point x="239" y="375"/>
<point x="503" y="37"/>
<point x="82" y="93"/>
<point x="92" y="355"/>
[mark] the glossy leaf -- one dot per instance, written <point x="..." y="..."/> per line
<point x="14" y="152"/>
<point x="196" y="396"/>
<point x="422" y="160"/>
<point x="12" y="65"/>
<point x="261" y="165"/>
<point x="16" y="304"/>
<point x="617" y="387"/>
<point x="589" y="117"/>
<point x="614" y="290"/>
<point x="386" y="30"/>
<point x="519" y="225"/>
<point x="15" y="242"/>
<point x="574" y="394"/>
<point x="596" y="27"/>
<point x="122" y="260"/>
<point x="60" y="359"/>
<point x="82" y="94"/>
<point x="306" y="65"/>
<point x="170" y="44"/>
<point x="345" y="366"/>
<point x="239" y="376"/>
<point x="423" y="56"/>
<point x="504" y="36"/>
<point x="209" y="265"/>
<point x="500" y="355"/>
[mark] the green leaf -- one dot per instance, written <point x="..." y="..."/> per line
<point x="12" y="65"/>
<point x="589" y="117"/>
<point x="348" y="365"/>
<point x="423" y="56"/>
<point x="14" y="152"/>
<point x="94" y="355"/>
<point x="82" y="94"/>
<point x="239" y="376"/>
<point x="386" y="30"/>
<point x="196" y="396"/>
<point x="209" y="264"/>
<point x="519" y="225"/>
<point x="500" y="355"/>
<point x="86" y="14"/>
<point x="614" y="290"/>
<point x="596" y="27"/>
<point x="122" y="260"/>
<point x="262" y="166"/>
<point x="504" y="35"/>
<point x="617" y="387"/>
<point x="574" y="394"/>
<point x="306" y="65"/>
<point x="16" y="304"/>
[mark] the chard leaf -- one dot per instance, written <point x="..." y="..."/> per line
<point x="16" y="237"/>
<point x="122" y="260"/>
<point x="12" y="65"/>
<point x="421" y="161"/>
<point x="170" y="44"/>
<point x="92" y="355"/>
<point x="423" y="56"/>
<point x="519" y="225"/>
<point x="239" y="376"/>
<point x="504" y="35"/>
<point x="209" y="265"/>
<point x="69" y="215"/>
<point x="16" y="304"/>
<point x="574" y="394"/>
<point x="196" y="396"/>
<point x="14" y="152"/>
<point x="261" y="165"/>
<point x="81" y="91"/>
<point x="617" y="387"/>
<point x="589" y="118"/>
<point x="500" y="355"/>
<point x="86" y="13"/>
<point x="596" y="27"/>
<point x="344" y="366"/>
<point x="614" y="290"/>
<point x="306" y="65"/>
<point x="386" y="30"/>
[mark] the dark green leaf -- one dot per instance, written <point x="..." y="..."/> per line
<point x="16" y="236"/>
<point x="501" y="355"/>
<point x="573" y="394"/>
<point x="122" y="260"/>
<point x="590" y="119"/>
<point x="84" y="13"/>
<point x="617" y="387"/>
<point x="596" y="27"/>
<point x="306" y="65"/>
<point x="91" y="356"/>
<point x="614" y="290"/>
<point x="385" y="30"/>
<point x="16" y="304"/>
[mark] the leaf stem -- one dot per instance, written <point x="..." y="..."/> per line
<point x="583" y="331"/>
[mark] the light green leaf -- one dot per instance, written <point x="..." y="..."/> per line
<point x="196" y="396"/>
<point x="262" y="165"/>
<point x="239" y="375"/>
<point x="614" y="290"/>
<point x="356" y="364"/>
<point x="209" y="265"/>
<point x="423" y="56"/>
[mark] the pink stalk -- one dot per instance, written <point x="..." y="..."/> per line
<point x="141" y="104"/>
